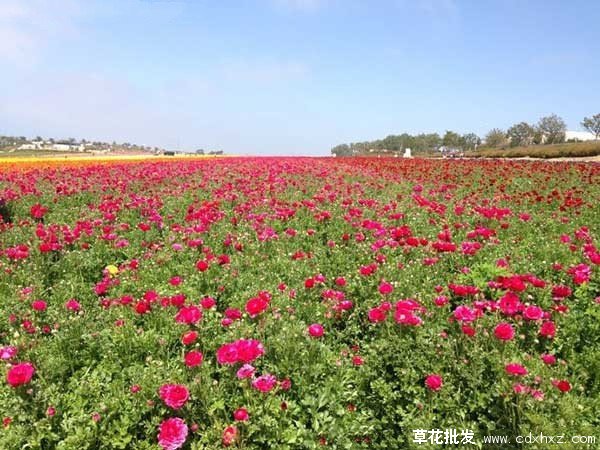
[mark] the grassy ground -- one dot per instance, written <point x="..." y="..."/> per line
<point x="566" y="150"/>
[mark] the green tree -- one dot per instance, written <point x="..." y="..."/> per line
<point x="592" y="124"/>
<point x="452" y="139"/>
<point x="553" y="129"/>
<point x="521" y="134"/>
<point x="470" y="141"/>
<point x="426" y="142"/>
<point x="341" y="150"/>
<point x="495" y="138"/>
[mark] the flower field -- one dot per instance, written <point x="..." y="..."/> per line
<point x="296" y="303"/>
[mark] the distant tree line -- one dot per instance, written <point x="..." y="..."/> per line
<point x="418" y="143"/>
<point x="548" y="130"/>
<point x="11" y="142"/>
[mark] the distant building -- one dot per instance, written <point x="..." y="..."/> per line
<point x="579" y="136"/>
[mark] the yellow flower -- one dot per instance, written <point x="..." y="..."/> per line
<point x="112" y="270"/>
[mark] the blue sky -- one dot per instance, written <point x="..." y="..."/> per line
<point x="291" y="76"/>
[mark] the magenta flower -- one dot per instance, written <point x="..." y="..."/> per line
<point x="172" y="433"/>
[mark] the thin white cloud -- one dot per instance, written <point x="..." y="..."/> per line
<point x="26" y="26"/>
<point x="263" y="72"/>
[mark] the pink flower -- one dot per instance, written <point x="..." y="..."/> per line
<point x="193" y="358"/>
<point x="246" y="371"/>
<point x="441" y="300"/>
<point x="385" y="288"/>
<point x="510" y="304"/>
<point x="285" y="384"/>
<point x="39" y="305"/>
<point x="189" y="315"/>
<point x="230" y="435"/>
<point x="8" y="352"/>
<point x="581" y="273"/>
<point x="174" y="395"/>
<point x="537" y="395"/>
<point x="548" y="329"/>
<point x="504" y="331"/>
<point x="227" y="354"/>
<point x="434" y="382"/>
<point x="548" y="359"/>
<point x="515" y="369"/>
<point x="243" y="350"/>
<point x="208" y="302"/>
<point x="248" y="350"/>
<point x="405" y="312"/>
<point x="172" y="433"/>
<point x="264" y="383"/>
<point x="73" y="305"/>
<point x="533" y="312"/>
<point x="464" y="314"/>
<point x="233" y="313"/>
<point x="316" y="330"/>
<point x="376" y="315"/>
<point x="20" y="374"/>
<point x="519" y="388"/>
<point x="241" y="415"/>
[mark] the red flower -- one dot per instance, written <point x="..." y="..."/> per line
<point x="548" y="359"/>
<point x="468" y="330"/>
<point x="561" y="291"/>
<point x="189" y="337"/>
<point x="434" y="382"/>
<point x="189" y="315"/>
<point x="241" y="415"/>
<point x="504" y="331"/>
<point x="38" y="211"/>
<point x="376" y="315"/>
<point x="193" y="358"/>
<point x="357" y="360"/>
<point x="548" y="329"/>
<point x="20" y="374"/>
<point x="256" y="305"/>
<point x="172" y="433"/>
<point x="562" y="385"/>
<point x="174" y="395"/>
<point x="202" y="266"/>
